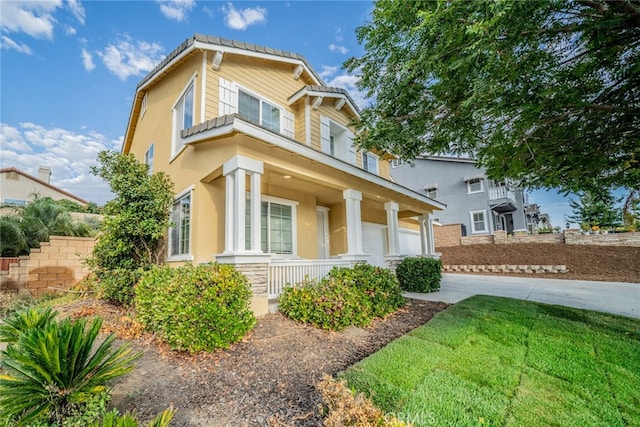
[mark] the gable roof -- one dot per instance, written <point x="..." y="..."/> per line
<point x="199" y="42"/>
<point x="46" y="184"/>
<point x="328" y="91"/>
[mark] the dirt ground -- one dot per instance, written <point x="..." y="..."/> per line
<point x="605" y="263"/>
<point x="267" y="379"/>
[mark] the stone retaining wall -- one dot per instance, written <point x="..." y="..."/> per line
<point x="57" y="264"/>
<point x="505" y="268"/>
<point x="450" y="235"/>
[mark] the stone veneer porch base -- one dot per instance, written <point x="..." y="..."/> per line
<point x="508" y="268"/>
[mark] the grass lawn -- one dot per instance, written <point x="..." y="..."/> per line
<point x="505" y="362"/>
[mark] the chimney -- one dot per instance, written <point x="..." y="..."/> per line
<point x="44" y="174"/>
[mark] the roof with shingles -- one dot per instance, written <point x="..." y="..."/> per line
<point x="39" y="181"/>
<point x="219" y="41"/>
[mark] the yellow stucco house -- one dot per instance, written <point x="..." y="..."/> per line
<point x="260" y="151"/>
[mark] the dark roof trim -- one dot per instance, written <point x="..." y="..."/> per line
<point x="39" y="181"/>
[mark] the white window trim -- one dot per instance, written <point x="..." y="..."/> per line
<point x="143" y="106"/>
<point x="175" y="134"/>
<point x="430" y="190"/>
<point x="478" y="191"/>
<point x="294" y="226"/>
<point x="188" y="256"/>
<point x="152" y="147"/>
<point x="249" y="92"/>
<point x="376" y="160"/>
<point x="396" y="163"/>
<point x="486" y="225"/>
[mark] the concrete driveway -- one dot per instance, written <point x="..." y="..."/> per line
<point x="610" y="297"/>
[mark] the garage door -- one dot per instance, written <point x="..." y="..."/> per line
<point x="374" y="242"/>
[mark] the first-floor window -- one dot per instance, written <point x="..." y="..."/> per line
<point x="478" y="222"/>
<point x="180" y="232"/>
<point x="277" y="222"/>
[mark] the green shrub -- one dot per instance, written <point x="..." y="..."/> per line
<point x="330" y="304"/>
<point x="417" y="274"/>
<point x="55" y="371"/>
<point x="348" y="296"/>
<point x="195" y="308"/>
<point x="114" y="419"/>
<point x="23" y="321"/>
<point x="117" y="286"/>
<point x="379" y="285"/>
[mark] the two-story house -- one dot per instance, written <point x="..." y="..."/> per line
<point x="479" y="204"/>
<point x="267" y="177"/>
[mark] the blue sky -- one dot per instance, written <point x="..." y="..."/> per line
<point x="68" y="70"/>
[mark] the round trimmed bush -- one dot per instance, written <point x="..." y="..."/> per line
<point x="198" y="308"/>
<point x="417" y="274"/>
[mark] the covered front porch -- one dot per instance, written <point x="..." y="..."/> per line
<point x="284" y="223"/>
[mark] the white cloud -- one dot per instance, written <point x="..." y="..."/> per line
<point x="87" y="60"/>
<point x="34" y="18"/>
<point x="77" y="9"/>
<point x="128" y="57"/>
<point x="328" y="71"/>
<point x="69" y="155"/>
<point x="345" y="81"/>
<point x="7" y="43"/>
<point x="176" y="9"/>
<point x="243" y="18"/>
<point x="69" y="30"/>
<point x="337" y="48"/>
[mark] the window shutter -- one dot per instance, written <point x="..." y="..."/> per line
<point x="325" y="135"/>
<point x="228" y="98"/>
<point x="352" y="149"/>
<point x="288" y="124"/>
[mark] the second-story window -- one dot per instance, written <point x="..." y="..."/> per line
<point x="148" y="158"/>
<point x="370" y="162"/>
<point x="259" y="111"/>
<point x="337" y="140"/>
<point x="183" y="112"/>
<point x="475" y="186"/>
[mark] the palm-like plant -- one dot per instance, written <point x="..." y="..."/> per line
<point x="27" y="226"/>
<point x="112" y="419"/>
<point x="51" y="371"/>
<point x="23" y="321"/>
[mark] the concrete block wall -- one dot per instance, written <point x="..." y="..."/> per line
<point x="58" y="264"/>
<point x="447" y="235"/>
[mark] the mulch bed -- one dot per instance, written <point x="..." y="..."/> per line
<point x="604" y="263"/>
<point x="268" y="379"/>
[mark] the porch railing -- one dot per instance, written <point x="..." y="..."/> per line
<point x="290" y="272"/>
<point x="496" y="193"/>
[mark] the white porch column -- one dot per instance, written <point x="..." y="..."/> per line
<point x="393" y="232"/>
<point x="426" y="235"/>
<point x="235" y="171"/>
<point x="256" y="211"/>
<point x="352" y="200"/>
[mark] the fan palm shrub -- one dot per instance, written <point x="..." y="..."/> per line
<point x="27" y="226"/>
<point x="50" y="372"/>
<point x="23" y="321"/>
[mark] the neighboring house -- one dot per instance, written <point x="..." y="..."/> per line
<point x="267" y="178"/>
<point x="479" y="204"/>
<point x="18" y="187"/>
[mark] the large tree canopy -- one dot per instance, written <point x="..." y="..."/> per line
<point x="544" y="92"/>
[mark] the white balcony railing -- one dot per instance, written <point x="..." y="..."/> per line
<point x="290" y="272"/>
<point x="496" y="193"/>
